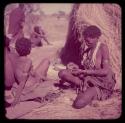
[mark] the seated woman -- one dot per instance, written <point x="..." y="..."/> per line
<point x="96" y="79"/>
<point x="38" y="36"/>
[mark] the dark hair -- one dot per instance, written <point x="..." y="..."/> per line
<point x="23" y="46"/>
<point x="92" y="32"/>
<point x="6" y="42"/>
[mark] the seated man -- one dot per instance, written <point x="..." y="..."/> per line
<point x="96" y="80"/>
<point x="23" y="69"/>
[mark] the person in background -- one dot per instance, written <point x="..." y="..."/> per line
<point x="38" y="36"/>
<point x="16" y="22"/>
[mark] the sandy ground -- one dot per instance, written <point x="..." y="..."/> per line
<point x="61" y="108"/>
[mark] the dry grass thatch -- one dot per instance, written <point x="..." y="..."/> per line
<point x="108" y="18"/>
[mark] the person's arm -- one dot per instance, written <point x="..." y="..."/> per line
<point x="101" y="72"/>
<point x="32" y="72"/>
<point x="41" y="36"/>
<point x="35" y="34"/>
<point x="45" y="39"/>
<point x="105" y="65"/>
<point x="44" y="36"/>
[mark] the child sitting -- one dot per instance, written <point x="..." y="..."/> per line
<point x="37" y="36"/>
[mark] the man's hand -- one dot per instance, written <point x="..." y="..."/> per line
<point x="76" y="71"/>
<point x="84" y="72"/>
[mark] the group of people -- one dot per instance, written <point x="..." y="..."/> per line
<point x="16" y="26"/>
<point x="93" y="79"/>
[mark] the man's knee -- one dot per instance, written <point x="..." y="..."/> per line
<point x="81" y="101"/>
<point x="79" y="104"/>
<point x="62" y="73"/>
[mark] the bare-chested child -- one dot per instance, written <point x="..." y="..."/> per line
<point x="38" y="36"/>
<point x="23" y="69"/>
<point x="96" y="79"/>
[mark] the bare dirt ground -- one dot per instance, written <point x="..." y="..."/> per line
<point x="61" y="108"/>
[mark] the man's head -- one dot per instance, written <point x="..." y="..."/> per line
<point x="37" y="29"/>
<point x="23" y="46"/>
<point x="91" y="35"/>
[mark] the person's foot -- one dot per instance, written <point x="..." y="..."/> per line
<point x="62" y="86"/>
<point x="37" y="99"/>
